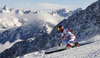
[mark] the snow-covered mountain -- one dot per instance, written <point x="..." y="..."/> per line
<point x="33" y="29"/>
<point x="65" y="13"/>
<point x="16" y="16"/>
<point x="10" y="18"/>
<point x="8" y="21"/>
<point x="18" y="24"/>
<point x="33" y="24"/>
<point x="15" y="22"/>
<point x="6" y="7"/>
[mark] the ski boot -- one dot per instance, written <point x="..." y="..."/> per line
<point x="68" y="45"/>
<point x="76" y="43"/>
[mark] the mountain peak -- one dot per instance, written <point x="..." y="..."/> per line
<point x="63" y="10"/>
<point x="5" y="7"/>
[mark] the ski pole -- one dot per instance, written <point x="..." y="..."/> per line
<point x="90" y="29"/>
<point x="87" y="29"/>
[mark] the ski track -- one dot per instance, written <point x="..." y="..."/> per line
<point x="91" y="50"/>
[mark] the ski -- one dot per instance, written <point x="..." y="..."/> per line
<point x="58" y="50"/>
<point x="62" y="49"/>
<point x="55" y="51"/>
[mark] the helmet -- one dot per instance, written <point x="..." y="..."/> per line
<point x="60" y="28"/>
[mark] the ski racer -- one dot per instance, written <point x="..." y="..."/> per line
<point x="68" y="38"/>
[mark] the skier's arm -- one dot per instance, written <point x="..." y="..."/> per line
<point x="62" y="36"/>
<point x="71" y="31"/>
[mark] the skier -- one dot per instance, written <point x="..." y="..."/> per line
<point x="68" y="38"/>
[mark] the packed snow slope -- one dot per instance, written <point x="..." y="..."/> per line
<point x="90" y="49"/>
<point x="86" y="19"/>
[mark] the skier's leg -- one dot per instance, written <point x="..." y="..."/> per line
<point x="64" y="42"/>
<point x="76" y="43"/>
<point x="68" y="45"/>
<point x="72" y="40"/>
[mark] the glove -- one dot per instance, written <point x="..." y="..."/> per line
<point x="72" y="31"/>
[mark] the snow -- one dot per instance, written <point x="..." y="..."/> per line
<point x="8" y="21"/>
<point x="44" y="18"/>
<point x="89" y="50"/>
<point x="11" y="19"/>
<point x="5" y="7"/>
<point x="48" y="29"/>
<point x="14" y="18"/>
<point x="7" y="45"/>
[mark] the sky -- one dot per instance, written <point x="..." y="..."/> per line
<point x="47" y="4"/>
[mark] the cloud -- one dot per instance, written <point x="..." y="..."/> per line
<point x="52" y="6"/>
<point x="25" y="3"/>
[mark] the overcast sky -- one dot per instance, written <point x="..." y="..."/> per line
<point x="47" y="4"/>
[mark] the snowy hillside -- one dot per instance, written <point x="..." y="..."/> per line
<point x="90" y="49"/>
